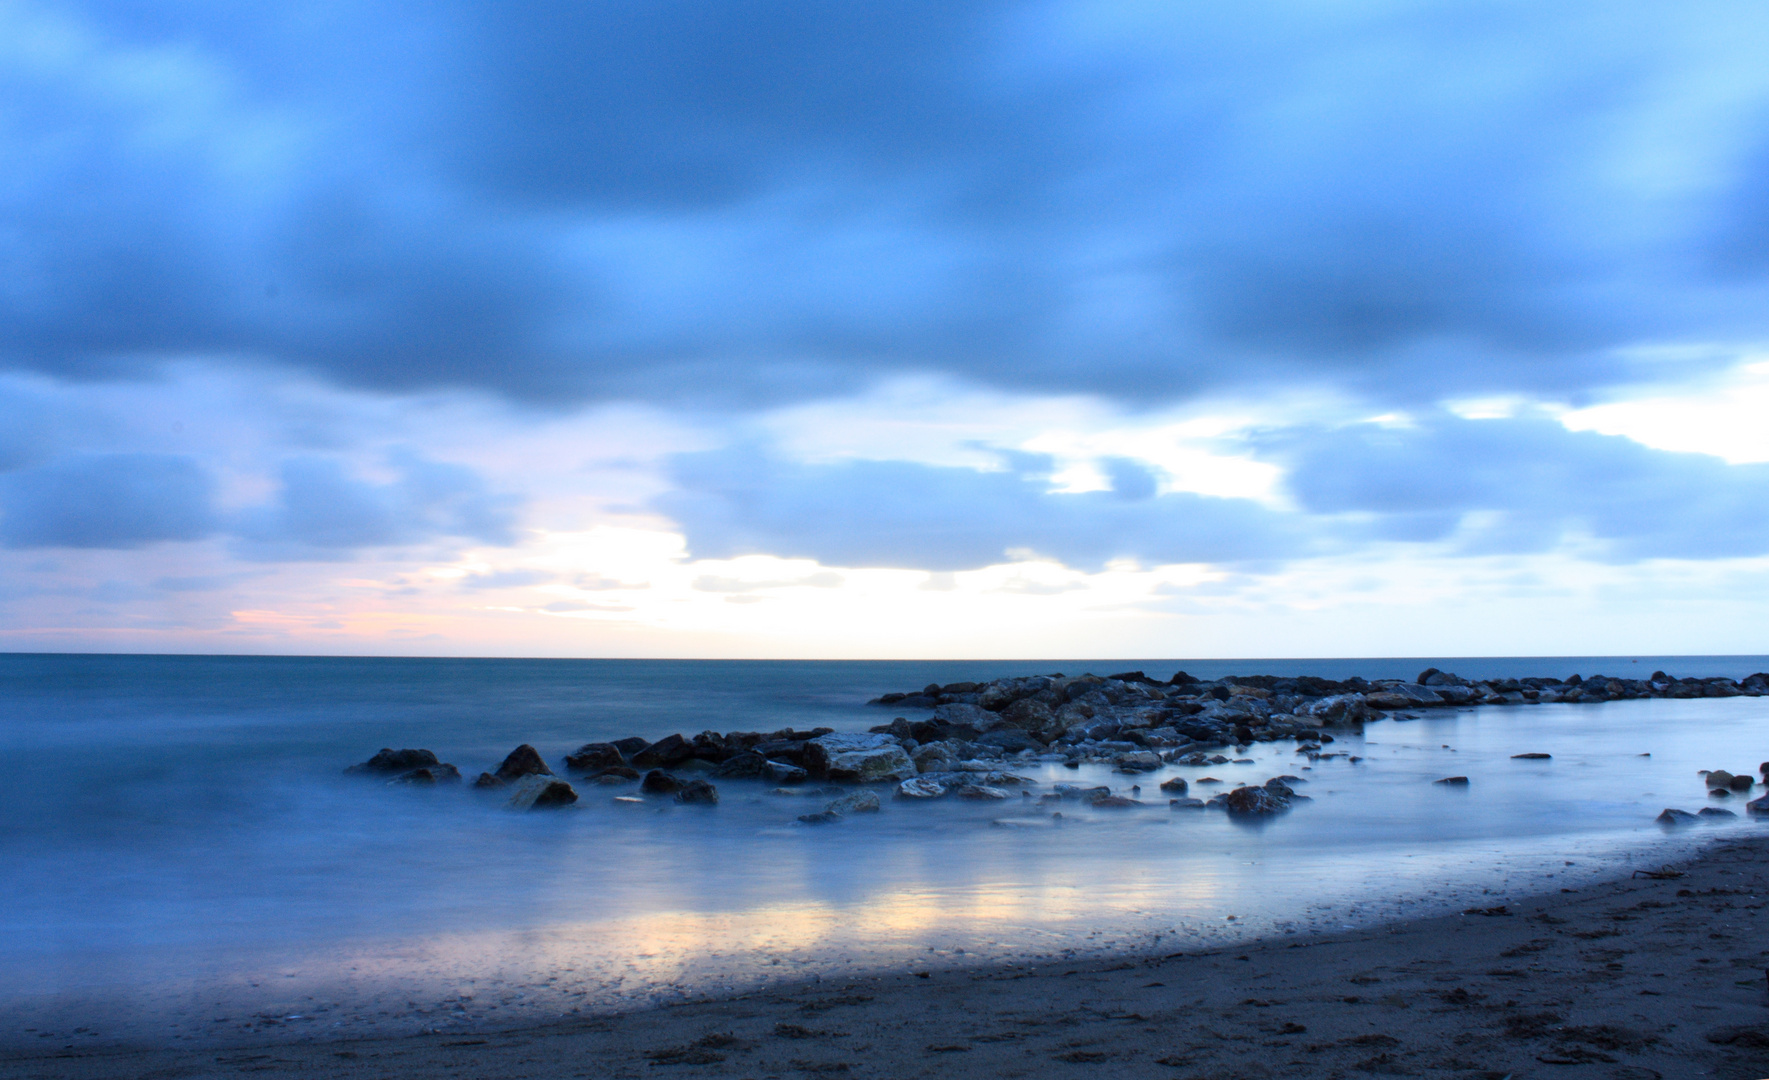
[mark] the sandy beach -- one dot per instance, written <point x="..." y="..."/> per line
<point x="1635" y="978"/>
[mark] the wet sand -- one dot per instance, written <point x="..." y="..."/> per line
<point x="1626" y="980"/>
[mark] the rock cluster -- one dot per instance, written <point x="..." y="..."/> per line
<point x="979" y="732"/>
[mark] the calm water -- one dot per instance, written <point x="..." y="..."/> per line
<point x="183" y="857"/>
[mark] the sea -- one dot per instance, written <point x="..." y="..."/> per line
<point x="186" y="862"/>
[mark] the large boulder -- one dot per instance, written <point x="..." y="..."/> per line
<point x="593" y="756"/>
<point x="523" y="761"/>
<point x="667" y="751"/>
<point x="389" y="761"/>
<point x="1758" y="806"/>
<point x="541" y="792"/>
<point x="863" y="758"/>
<point x="1254" y="801"/>
<point x="1001" y="693"/>
<point x="1033" y="717"/>
<point x="1673" y="816"/>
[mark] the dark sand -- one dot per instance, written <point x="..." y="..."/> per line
<point x="1626" y="980"/>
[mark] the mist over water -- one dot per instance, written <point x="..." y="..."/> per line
<point x="184" y="856"/>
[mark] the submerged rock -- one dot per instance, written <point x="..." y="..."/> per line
<point x="1174" y="786"/>
<point x="1453" y="781"/>
<point x="859" y="802"/>
<point x="1676" y="817"/>
<point x="1714" y="812"/>
<point x="432" y="774"/>
<point x="699" y="792"/>
<point x="396" y="761"/>
<point x="1531" y="757"/>
<point x="920" y="787"/>
<point x="658" y="782"/>
<point x="538" y="792"/>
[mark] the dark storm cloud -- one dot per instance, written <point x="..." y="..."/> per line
<point x="107" y="501"/>
<point x="750" y="201"/>
<point x="905" y="514"/>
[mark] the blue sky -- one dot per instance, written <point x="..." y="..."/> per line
<point x="865" y="329"/>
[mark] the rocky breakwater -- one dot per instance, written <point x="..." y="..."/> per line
<point x="1054" y="707"/>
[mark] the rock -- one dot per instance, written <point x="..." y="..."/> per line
<point x="611" y="778"/>
<point x="592" y="756"/>
<point x="1741" y="783"/>
<point x="1009" y="739"/>
<point x="617" y="772"/>
<point x="1140" y="761"/>
<point x="920" y="787"/>
<point x="860" y="758"/>
<point x="859" y="802"/>
<point x="395" y="761"/>
<point x="713" y="747"/>
<point x="658" y="782"/>
<point x="1719" y="793"/>
<point x="1714" y="812"/>
<point x="748" y="765"/>
<point x="935" y="757"/>
<point x="1719" y="778"/>
<point x="1340" y="709"/>
<point x="1033" y="717"/>
<point x="821" y="818"/>
<point x="525" y="760"/>
<point x="1174" y="786"/>
<point x="1206" y="780"/>
<point x="980" y="793"/>
<point x="1758" y="806"/>
<point x="629" y="746"/>
<point x="1255" y="801"/>
<point x="958" y="714"/>
<point x="1114" y="802"/>
<point x="1453" y="781"/>
<point x="1677" y="817"/>
<point x="667" y="751"/>
<point x="433" y="774"/>
<point x="1402" y="696"/>
<point x="1185" y="804"/>
<point x="541" y="792"/>
<point x="780" y="772"/>
<point x="1280" y="789"/>
<point x="698" y="792"/>
<point x="1531" y="757"/>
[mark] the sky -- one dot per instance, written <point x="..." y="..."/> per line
<point x="786" y="329"/>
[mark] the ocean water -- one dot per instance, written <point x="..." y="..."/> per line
<point x="184" y="859"/>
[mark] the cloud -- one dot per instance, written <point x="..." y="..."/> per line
<point x="107" y="501"/>
<point x="903" y="514"/>
<point x="1526" y="484"/>
<point x="736" y="202"/>
<point x="323" y="512"/>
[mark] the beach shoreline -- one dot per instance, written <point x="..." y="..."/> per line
<point x="1631" y="977"/>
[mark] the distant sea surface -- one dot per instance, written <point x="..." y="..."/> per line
<point x="184" y="859"/>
